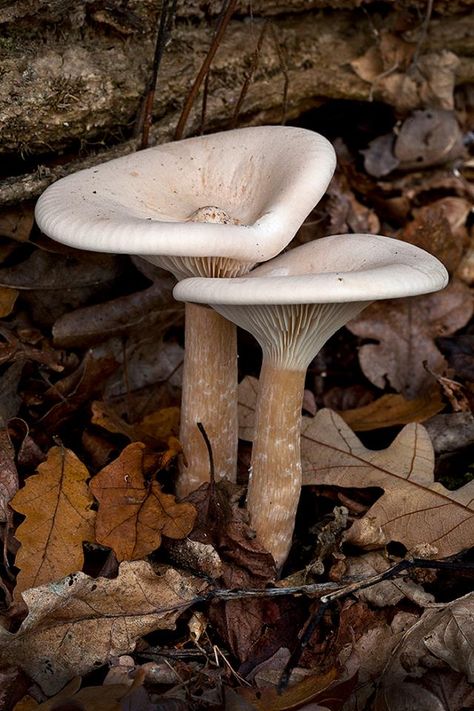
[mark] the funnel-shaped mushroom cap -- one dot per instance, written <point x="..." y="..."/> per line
<point x="335" y="269"/>
<point x="264" y="180"/>
<point x="295" y="302"/>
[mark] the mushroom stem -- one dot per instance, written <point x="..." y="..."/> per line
<point x="209" y="396"/>
<point x="275" y="482"/>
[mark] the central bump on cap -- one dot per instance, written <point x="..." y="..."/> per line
<point x="210" y="213"/>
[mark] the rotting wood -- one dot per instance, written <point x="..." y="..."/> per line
<point x="85" y="87"/>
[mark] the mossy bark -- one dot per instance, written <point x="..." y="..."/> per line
<point x="73" y="74"/>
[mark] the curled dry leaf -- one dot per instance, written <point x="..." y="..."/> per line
<point x="414" y="508"/>
<point x="7" y="300"/>
<point x="8" y="475"/>
<point x="368" y="654"/>
<point x="390" y="410"/>
<point x="311" y="689"/>
<point x="440" y="229"/>
<point x="57" y="506"/>
<point x="156" y="427"/>
<point x="405" y="330"/>
<point x="386" y="411"/>
<point x="133" y="514"/>
<point x="444" y="634"/>
<point x="76" y="389"/>
<point x="79" y="623"/>
<point x="16" y="222"/>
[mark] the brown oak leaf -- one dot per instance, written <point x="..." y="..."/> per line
<point x="387" y="411"/>
<point x="415" y="676"/>
<point x="134" y="514"/>
<point x="414" y="508"/>
<point x="79" y="623"/>
<point x="405" y="330"/>
<point x="57" y="506"/>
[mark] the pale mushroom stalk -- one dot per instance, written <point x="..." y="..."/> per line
<point x="209" y="383"/>
<point x="211" y="206"/>
<point x="292" y="305"/>
<point x="209" y="397"/>
<point x="290" y="336"/>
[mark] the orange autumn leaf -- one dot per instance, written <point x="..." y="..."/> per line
<point x="57" y="506"/>
<point x="133" y="514"/>
<point x="393" y="409"/>
<point x="7" y="300"/>
<point x="304" y="692"/>
<point x="156" y="427"/>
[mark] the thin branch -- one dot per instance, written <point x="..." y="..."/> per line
<point x="248" y="78"/>
<point x="327" y="599"/>
<point x="424" y="30"/>
<point x="229" y="6"/>
<point x="167" y="16"/>
<point x="207" y="441"/>
<point x="284" y="70"/>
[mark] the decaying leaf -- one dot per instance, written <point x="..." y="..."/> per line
<point x="428" y="138"/>
<point x="10" y="400"/>
<point x="57" y="506"/>
<point x="440" y="229"/>
<point x="148" y="360"/>
<point x="387" y="411"/>
<point x="443" y="634"/>
<point x="307" y="690"/>
<point x="390" y="410"/>
<point x="405" y="330"/>
<point x="368" y="654"/>
<point x="78" y="623"/>
<point x="414" y="509"/>
<point x="134" y="514"/>
<point x="8" y="475"/>
<point x="77" y="388"/>
<point x="16" y="222"/>
<point x="7" y="300"/>
<point x="156" y="427"/>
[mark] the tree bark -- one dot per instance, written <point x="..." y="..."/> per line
<point x="73" y="74"/>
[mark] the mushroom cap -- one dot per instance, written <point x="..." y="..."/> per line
<point x="266" y="178"/>
<point x="335" y="269"/>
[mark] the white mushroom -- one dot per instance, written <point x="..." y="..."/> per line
<point x="292" y="305"/>
<point x="210" y="206"/>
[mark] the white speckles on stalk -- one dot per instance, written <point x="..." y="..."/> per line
<point x="275" y="484"/>
<point x="209" y="397"/>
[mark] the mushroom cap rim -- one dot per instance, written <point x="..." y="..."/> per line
<point x="119" y="229"/>
<point x="409" y="271"/>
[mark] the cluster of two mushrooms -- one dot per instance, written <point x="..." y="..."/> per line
<point x="208" y="209"/>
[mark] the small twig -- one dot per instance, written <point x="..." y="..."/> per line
<point x="206" y="439"/>
<point x="284" y="71"/>
<point x="167" y="15"/>
<point x="229" y="8"/>
<point x="205" y="94"/>
<point x="327" y="599"/>
<point x="424" y="30"/>
<point x="248" y="78"/>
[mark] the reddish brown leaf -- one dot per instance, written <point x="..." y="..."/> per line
<point x="133" y="514"/>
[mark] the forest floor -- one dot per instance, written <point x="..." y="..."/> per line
<point x="374" y="607"/>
